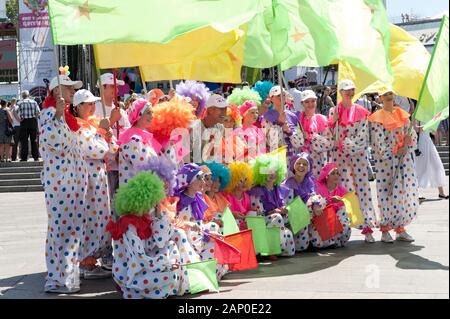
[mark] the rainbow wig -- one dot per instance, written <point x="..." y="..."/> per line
<point x="191" y="89"/>
<point x="233" y="112"/>
<point x="165" y="169"/>
<point x="263" y="88"/>
<point x="239" y="96"/>
<point x="219" y="171"/>
<point x="266" y="164"/>
<point x="167" y="116"/>
<point x="142" y="192"/>
<point x="239" y="170"/>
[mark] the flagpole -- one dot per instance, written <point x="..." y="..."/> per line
<point x="116" y="103"/>
<point x="100" y="85"/>
<point x="56" y="61"/>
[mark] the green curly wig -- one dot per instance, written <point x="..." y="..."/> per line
<point x="143" y="192"/>
<point x="266" y="163"/>
<point x="239" y="96"/>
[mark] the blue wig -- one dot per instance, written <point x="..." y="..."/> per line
<point x="263" y="88"/>
<point x="219" y="171"/>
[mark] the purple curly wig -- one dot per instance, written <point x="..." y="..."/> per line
<point x="191" y="89"/>
<point x="165" y="170"/>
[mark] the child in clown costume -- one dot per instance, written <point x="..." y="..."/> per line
<point x="64" y="178"/>
<point x="137" y="144"/>
<point x="394" y="143"/>
<point x="95" y="143"/>
<point x="237" y="190"/>
<point x="191" y="209"/>
<point x="328" y="186"/>
<point x="350" y="152"/>
<point x="269" y="197"/>
<point x="140" y="269"/>
<point x="317" y="139"/>
<point x="301" y="184"/>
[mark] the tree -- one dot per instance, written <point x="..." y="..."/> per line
<point x="12" y="11"/>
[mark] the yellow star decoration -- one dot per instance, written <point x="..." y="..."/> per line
<point x="297" y="36"/>
<point x="83" y="11"/>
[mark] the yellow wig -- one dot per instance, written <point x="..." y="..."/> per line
<point x="239" y="170"/>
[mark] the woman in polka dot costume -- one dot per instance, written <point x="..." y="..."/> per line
<point x="394" y="143"/>
<point x="212" y="214"/>
<point x="317" y="138"/>
<point x="329" y="188"/>
<point x="350" y="152"/>
<point x="301" y="184"/>
<point x="95" y="143"/>
<point x="137" y="144"/>
<point x="143" y="268"/>
<point x="268" y="197"/>
<point x="64" y="177"/>
<point x="191" y="209"/>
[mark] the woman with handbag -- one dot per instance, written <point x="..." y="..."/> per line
<point x="6" y="132"/>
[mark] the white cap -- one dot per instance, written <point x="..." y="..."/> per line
<point x="346" y="85"/>
<point x="108" y="79"/>
<point x="308" y="94"/>
<point x="276" y="90"/>
<point x="384" y="91"/>
<point x="217" y="101"/>
<point x="84" y="96"/>
<point x="65" y="80"/>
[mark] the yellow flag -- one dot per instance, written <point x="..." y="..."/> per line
<point x="204" y="54"/>
<point x="409" y="61"/>
<point x="353" y="209"/>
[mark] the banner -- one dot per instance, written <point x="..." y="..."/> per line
<point x="229" y="223"/>
<point x="298" y="215"/>
<point x="35" y="48"/>
<point x="8" y="61"/>
<point x="202" y="276"/>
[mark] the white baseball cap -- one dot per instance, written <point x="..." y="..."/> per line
<point x="65" y="80"/>
<point x="84" y="96"/>
<point x="108" y="79"/>
<point x="346" y="85"/>
<point x="217" y="101"/>
<point x="384" y="91"/>
<point x="275" y="91"/>
<point x="308" y="94"/>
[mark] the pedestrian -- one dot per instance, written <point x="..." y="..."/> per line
<point x="268" y="198"/>
<point x="296" y="95"/>
<point x="16" y="125"/>
<point x="350" y="152"/>
<point x="316" y="138"/>
<point x="95" y="142"/>
<point x="394" y="142"/>
<point x="6" y="132"/>
<point x="65" y="184"/>
<point x="28" y="110"/>
<point x="325" y="101"/>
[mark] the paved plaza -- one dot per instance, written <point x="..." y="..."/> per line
<point x="360" y="270"/>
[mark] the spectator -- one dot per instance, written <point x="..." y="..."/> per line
<point x="326" y="102"/>
<point x="296" y="95"/>
<point x="28" y="110"/>
<point x="441" y="132"/>
<point x="312" y="76"/>
<point x="5" y="139"/>
<point x="16" y="125"/>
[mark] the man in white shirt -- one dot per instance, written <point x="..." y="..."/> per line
<point x="296" y="95"/>
<point x="16" y="124"/>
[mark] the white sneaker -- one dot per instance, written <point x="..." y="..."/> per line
<point x="404" y="236"/>
<point x="386" y="237"/>
<point x="95" y="273"/>
<point x="63" y="290"/>
<point x="369" y="239"/>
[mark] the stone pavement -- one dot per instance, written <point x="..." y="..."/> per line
<point x="360" y="270"/>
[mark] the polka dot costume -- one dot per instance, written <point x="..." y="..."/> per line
<point x="98" y="210"/>
<point x="64" y="178"/>
<point x="353" y="163"/>
<point x="318" y="146"/>
<point x="400" y="208"/>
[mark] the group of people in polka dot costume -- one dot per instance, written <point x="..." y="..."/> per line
<point x="326" y="159"/>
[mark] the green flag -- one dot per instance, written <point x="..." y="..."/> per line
<point x="298" y="215"/>
<point x="318" y="32"/>
<point x="229" y="223"/>
<point x="432" y="106"/>
<point x="273" y="241"/>
<point x="147" y="21"/>
<point x="259" y="233"/>
<point x="202" y="276"/>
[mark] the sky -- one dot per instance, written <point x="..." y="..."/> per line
<point x="421" y="8"/>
